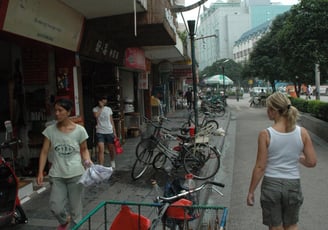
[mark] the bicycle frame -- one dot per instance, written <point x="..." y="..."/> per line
<point x="192" y="121"/>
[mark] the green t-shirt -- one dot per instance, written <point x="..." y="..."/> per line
<point x="65" y="147"/>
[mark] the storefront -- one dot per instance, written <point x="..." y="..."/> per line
<point x="38" y="64"/>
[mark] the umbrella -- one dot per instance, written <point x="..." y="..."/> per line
<point x="218" y="79"/>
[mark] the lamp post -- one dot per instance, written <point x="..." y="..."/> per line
<point x="224" y="89"/>
<point x="222" y="67"/>
<point x="317" y="81"/>
<point x="191" y="26"/>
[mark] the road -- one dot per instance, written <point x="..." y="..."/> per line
<point x="322" y="98"/>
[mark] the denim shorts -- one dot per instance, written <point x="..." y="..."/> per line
<point x="105" y="138"/>
<point x="281" y="200"/>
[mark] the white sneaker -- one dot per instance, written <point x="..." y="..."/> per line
<point x="112" y="163"/>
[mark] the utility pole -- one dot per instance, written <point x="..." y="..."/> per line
<point x="317" y="81"/>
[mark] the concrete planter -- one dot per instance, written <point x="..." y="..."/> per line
<point x="315" y="125"/>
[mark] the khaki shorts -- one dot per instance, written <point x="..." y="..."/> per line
<point x="281" y="200"/>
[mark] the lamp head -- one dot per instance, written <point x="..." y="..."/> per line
<point x="191" y="26"/>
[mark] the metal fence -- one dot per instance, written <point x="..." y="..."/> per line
<point x="140" y="216"/>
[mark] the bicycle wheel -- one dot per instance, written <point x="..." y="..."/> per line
<point x="211" y="124"/>
<point x="146" y="144"/>
<point x="201" y="160"/>
<point x="159" y="161"/>
<point x="219" y="111"/>
<point x="19" y="215"/>
<point x="144" y="153"/>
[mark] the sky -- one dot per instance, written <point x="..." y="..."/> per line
<point x="192" y="14"/>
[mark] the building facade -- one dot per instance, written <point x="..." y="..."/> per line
<point x="120" y="50"/>
<point x="232" y="22"/>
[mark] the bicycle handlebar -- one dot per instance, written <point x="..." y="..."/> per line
<point x="182" y="194"/>
<point x="161" y="119"/>
<point x="10" y="143"/>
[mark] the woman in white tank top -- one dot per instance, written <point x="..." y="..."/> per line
<point x="281" y="148"/>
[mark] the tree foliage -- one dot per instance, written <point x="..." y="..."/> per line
<point x="298" y="39"/>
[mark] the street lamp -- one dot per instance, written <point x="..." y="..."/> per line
<point x="191" y="26"/>
<point x="222" y="67"/>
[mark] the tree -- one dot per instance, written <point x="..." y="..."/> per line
<point x="303" y="39"/>
<point x="265" y="62"/>
<point x="296" y="41"/>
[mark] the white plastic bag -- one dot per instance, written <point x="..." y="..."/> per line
<point x="219" y="132"/>
<point x="95" y="174"/>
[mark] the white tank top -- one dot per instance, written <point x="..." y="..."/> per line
<point x="283" y="154"/>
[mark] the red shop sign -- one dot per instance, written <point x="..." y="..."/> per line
<point x="135" y="58"/>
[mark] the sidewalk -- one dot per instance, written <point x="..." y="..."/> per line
<point x="121" y="186"/>
<point x="241" y="124"/>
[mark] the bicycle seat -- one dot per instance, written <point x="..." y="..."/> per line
<point x="207" y="113"/>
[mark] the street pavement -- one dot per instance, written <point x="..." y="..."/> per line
<point x="245" y="123"/>
<point x="238" y="151"/>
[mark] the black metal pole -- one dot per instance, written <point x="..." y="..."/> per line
<point x="191" y="26"/>
<point x="224" y="89"/>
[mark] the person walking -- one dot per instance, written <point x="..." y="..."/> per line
<point x="281" y="148"/>
<point x="67" y="143"/>
<point x="188" y="96"/>
<point x="309" y="92"/>
<point x="105" y="130"/>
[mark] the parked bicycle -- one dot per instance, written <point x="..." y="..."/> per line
<point x="11" y="211"/>
<point x="205" y="122"/>
<point x="200" y="159"/>
<point x="214" y="106"/>
<point x="176" y="211"/>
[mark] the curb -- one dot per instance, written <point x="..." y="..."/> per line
<point x="37" y="192"/>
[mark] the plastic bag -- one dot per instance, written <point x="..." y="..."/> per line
<point x="118" y="147"/>
<point x="96" y="174"/>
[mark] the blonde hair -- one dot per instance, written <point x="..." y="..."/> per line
<point x="281" y="103"/>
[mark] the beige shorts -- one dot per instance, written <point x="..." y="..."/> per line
<point x="281" y="200"/>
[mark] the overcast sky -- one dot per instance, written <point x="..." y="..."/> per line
<point x="192" y="15"/>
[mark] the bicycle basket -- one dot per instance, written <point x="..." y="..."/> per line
<point x="126" y="219"/>
<point x="179" y="212"/>
<point x="148" y="131"/>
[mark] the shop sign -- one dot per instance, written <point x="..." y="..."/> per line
<point x="47" y="21"/>
<point x="135" y="58"/>
<point x="186" y="72"/>
<point x="99" y="47"/>
<point x="165" y="67"/>
<point x="143" y="81"/>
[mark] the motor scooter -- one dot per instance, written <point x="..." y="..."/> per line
<point x="11" y="211"/>
<point x="254" y="101"/>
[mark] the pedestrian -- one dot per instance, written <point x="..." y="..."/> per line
<point x="281" y="148"/>
<point x="188" y="96"/>
<point x="105" y="130"/>
<point x="67" y="143"/>
<point x="309" y="92"/>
